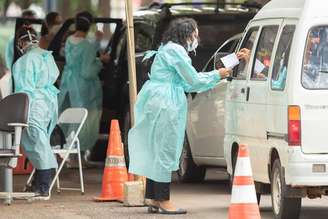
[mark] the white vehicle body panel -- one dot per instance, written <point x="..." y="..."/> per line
<point x="262" y="121"/>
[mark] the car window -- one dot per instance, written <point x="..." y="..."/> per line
<point x="228" y="46"/>
<point x="279" y="72"/>
<point x="210" y="65"/>
<point x="108" y="30"/>
<point x="241" y="70"/>
<point x="220" y="29"/>
<point x="143" y="37"/>
<point x="315" y="61"/>
<point x="261" y="62"/>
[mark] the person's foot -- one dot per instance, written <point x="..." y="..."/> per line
<point x="45" y="178"/>
<point x="44" y="196"/>
<point x="153" y="206"/>
<point x="31" y="188"/>
<point x="167" y="207"/>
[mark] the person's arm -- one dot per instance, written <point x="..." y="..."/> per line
<point x="24" y="77"/>
<point x="194" y="81"/>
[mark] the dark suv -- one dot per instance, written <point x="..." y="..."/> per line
<point x="216" y="23"/>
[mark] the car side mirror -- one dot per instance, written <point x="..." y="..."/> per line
<point x="218" y="63"/>
<point x="217" y="59"/>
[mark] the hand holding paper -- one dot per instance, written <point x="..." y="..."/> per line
<point x="230" y="61"/>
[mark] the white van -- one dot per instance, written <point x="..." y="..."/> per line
<point x="277" y="103"/>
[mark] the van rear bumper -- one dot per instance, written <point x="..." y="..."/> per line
<point x="299" y="170"/>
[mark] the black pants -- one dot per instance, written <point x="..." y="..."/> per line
<point x="157" y="191"/>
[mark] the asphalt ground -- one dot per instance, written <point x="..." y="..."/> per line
<point x="209" y="199"/>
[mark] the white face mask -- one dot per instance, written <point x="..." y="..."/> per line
<point x="193" y="46"/>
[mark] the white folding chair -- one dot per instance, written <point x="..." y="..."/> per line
<point x="71" y="117"/>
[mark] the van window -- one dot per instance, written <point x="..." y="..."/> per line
<point x="279" y="72"/>
<point x="240" y="70"/>
<point x="315" y="60"/>
<point x="263" y="53"/>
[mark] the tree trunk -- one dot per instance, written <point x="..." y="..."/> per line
<point x="65" y="8"/>
<point x="85" y="5"/>
<point x="5" y="7"/>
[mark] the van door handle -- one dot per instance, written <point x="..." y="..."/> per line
<point x="242" y="90"/>
<point x="247" y="93"/>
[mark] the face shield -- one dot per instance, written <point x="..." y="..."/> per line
<point x="27" y="41"/>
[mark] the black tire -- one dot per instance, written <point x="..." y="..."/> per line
<point x="283" y="207"/>
<point x="126" y="127"/>
<point x="234" y="155"/>
<point x="258" y="196"/>
<point x="188" y="170"/>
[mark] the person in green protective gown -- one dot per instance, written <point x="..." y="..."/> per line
<point x="80" y="85"/>
<point x="156" y="140"/>
<point x="35" y="73"/>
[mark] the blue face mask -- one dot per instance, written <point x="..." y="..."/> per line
<point x="193" y="46"/>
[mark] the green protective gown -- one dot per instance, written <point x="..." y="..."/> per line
<point x="35" y="74"/>
<point x="156" y="140"/>
<point x="9" y="54"/>
<point x="81" y="87"/>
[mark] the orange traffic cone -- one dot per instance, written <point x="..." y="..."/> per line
<point x="243" y="198"/>
<point x="115" y="172"/>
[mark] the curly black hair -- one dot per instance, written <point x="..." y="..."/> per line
<point x="179" y="31"/>
<point x="83" y="21"/>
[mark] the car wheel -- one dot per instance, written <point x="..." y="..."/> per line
<point x="283" y="207"/>
<point x="188" y="170"/>
<point x="234" y="156"/>
<point x="126" y="128"/>
<point x="258" y="197"/>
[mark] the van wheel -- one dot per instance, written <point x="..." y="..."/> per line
<point x="283" y="207"/>
<point x="188" y="170"/>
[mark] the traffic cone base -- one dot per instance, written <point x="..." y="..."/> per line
<point x="115" y="172"/>
<point x="244" y="211"/>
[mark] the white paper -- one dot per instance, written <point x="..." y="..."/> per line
<point x="230" y="61"/>
<point x="259" y="66"/>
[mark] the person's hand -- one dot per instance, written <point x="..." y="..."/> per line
<point x="260" y="76"/>
<point x="99" y="35"/>
<point x="244" y="54"/>
<point x="225" y="72"/>
<point x="104" y="57"/>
